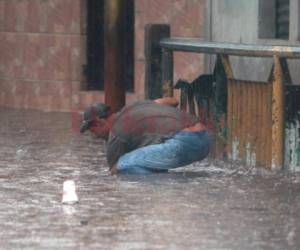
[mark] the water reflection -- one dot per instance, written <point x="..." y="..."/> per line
<point x="69" y="209"/>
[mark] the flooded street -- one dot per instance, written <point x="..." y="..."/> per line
<point x="210" y="206"/>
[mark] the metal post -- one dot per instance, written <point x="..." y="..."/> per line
<point x="114" y="68"/>
<point x="167" y="72"/>
<point x="153" y="82"/>
<point x="277" y="116"/>
<point x="226" y="118"/>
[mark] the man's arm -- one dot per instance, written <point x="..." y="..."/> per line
<point x="113" y="170"/>
<point x="171" y="101"/>
<point x="115" y="149"/>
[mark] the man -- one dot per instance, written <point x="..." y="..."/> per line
<point x="148" y="136"/>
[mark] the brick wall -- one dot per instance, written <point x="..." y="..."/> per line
<point x="186" y="18"/>
<point x="40" y="53"/>
<point x="42" y="48"/>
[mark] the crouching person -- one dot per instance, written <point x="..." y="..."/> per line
<point x="148" y="136"/>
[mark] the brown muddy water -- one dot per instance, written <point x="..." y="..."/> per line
<point x="209" y="205"/>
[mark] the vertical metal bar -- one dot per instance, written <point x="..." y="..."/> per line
<point x="269" y="122"/>
<point x="277" y="116"/>
<point x="259" y="117"/>
<point x="254" y="123"/>
<point x="191" y="102"/>
<point x="227" y="66"/>
<point x="286" y="75"/>
<point x="230" y="95"/>
<point x="229" y="119"/>
<point x="167" y="72"/>
<point x="243" y="109"/>
<point x="153" y="34"/>
<point x="264" y="126"/>
<point x="114" y="68"/>
<point x="245" y="119"/>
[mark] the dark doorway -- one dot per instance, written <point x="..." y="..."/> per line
<point x="129" y="45"/>
<point x="95" y="45"/>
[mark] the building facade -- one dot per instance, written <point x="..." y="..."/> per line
<point x="44" y="48"/>
<point x="267" y="22"/>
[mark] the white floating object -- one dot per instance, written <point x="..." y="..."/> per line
<point x="20" y="153"/>
<point x="69" y="192"/>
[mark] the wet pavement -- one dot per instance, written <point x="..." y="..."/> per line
<point x="204" y="206"/>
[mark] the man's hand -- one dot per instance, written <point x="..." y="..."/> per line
<point x="171" y="101"/>
<point x="113" y="170"/>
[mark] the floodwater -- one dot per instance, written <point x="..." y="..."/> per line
<point x="204" y="206"/>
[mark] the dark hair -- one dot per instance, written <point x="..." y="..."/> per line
<point x="99" y="110"/>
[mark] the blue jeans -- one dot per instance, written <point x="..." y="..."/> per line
<point x="181" y="149"/>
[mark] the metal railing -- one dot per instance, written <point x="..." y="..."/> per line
<point x="254" y="116"/>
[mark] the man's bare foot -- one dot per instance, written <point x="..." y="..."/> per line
<point x="113" y="170"/>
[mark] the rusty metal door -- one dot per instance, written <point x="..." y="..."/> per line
<point x="249" y="120"/>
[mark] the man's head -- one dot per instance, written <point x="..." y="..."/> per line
<point x="94" y="119"/>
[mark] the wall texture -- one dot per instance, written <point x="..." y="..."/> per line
<point x="186" y="18"/>
<point x="238" y="22"/>
<point x="42" y="48"/>
<point x="40" y="53"/>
